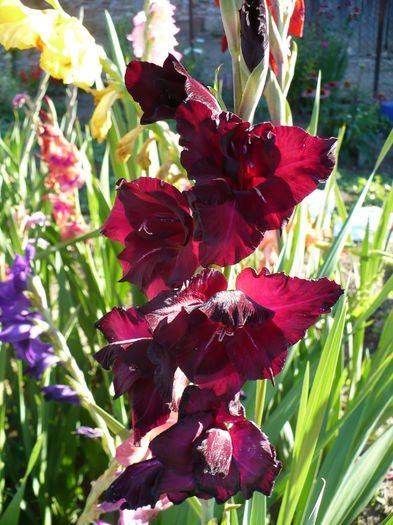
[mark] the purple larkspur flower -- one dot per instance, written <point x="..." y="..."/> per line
<point x="89" y="432"/>
<point x="18" y="320"/>
<point x="61" y="393"/>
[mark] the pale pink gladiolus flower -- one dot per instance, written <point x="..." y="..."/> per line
<point x="143" y="515"/>
<point x="36" y="219"/>
<point x="130" y="452"/>
<point x="161" y="32"/>
<point x="73" y="229"/>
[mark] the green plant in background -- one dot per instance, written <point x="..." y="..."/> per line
<point x="9" y="86"/>
<point x="323" y="48"/>
<point x="344" y="103"/>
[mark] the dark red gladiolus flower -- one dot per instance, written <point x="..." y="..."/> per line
<point x="128" y="353"/>
<point x="254" y="39"/>
<point x="248" y="178"/>
<point x="161" y="90"/>
<point x="152" y="220"/>
<point x="212" y="451"/>
<point x="228" y="336"/>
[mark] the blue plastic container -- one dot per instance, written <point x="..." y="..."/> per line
<point x="387" y="109"/>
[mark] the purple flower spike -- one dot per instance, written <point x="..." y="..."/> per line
<point x="61" y="393"/>
<point x="17" y="319"/>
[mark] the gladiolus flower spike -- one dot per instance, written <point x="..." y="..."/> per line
<point x="190" y="349"/>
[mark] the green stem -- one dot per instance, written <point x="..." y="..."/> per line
<point x="33" y="123"/>
<point x="90" y="512"/>
<point x="207" y="507"/>
<point x="237" y="84"/>
<point x="76" y="377"/>
<point x="260" y="401"/>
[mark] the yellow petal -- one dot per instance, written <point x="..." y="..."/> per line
<point x="71" y="54"/>
<point x="68" y="51"/>
<point x="101" y="122"/>
<point x="20" y="26"/>
<point x="125" y="147"/>
<point x="143" y="157"/>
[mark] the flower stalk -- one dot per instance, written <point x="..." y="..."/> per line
<point x="77" y="378"/>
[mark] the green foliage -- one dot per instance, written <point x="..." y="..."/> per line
<point x="361" y="114"/>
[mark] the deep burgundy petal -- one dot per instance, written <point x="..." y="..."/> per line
<point x="226" y="236"/>
<point x="257" y="351"/>
<point x="253" y="174"/>
<point x="156" y="228"/>
<point x="226" y="382"/>
<point x="206" y="138"/>
<point x="161" y="90"/>
<point x="148" y="264"/>
<point x="124" y="377"/>
<point x="213" y="470"/>
<point x="297" y="303"/>
<point x="154" y="207"/>
<point x="202" y="357"/>
<point x="173" y="447"/>
<point x="108" y="354"/>
<point x="149" y="410"/>
<point x="255" y="458"/>
<point x="176" y="485"/>
<point x="168" y="304"/>
<point x="254" y="38"/>
<point x="214" y="452"/>
<point x="165" y="364"/>
<point x="295" y="164"/>
<point x="116" y="227"/>
<point x="123" y="325"/>
<point x="195" y="400"/>
<point x="234" y="309"/>
<point x="137" y="484"/>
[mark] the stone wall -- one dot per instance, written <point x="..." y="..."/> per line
<point x="207" y="30"/>
<point x="205" y="13"/>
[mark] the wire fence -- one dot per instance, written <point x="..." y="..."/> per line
<point x="362" y="16"/>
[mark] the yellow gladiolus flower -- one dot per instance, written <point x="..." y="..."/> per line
<point x="20" y="26"/>
<point x="68" y="51"/>
<point x="101" y="122"/>
<point x="71" y="54"/>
